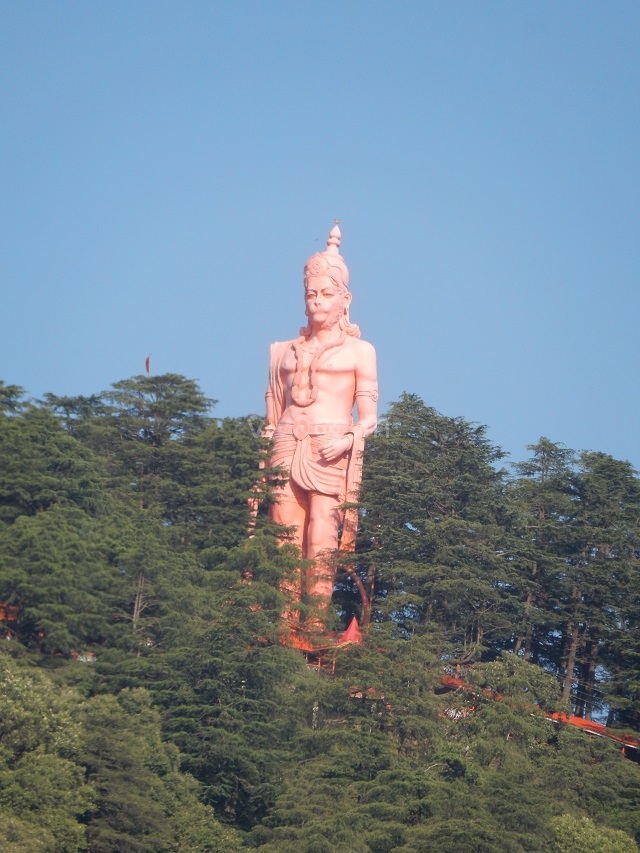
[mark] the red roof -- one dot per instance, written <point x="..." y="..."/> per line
<point x="352" y="634"/>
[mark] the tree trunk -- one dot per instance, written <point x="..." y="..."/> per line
<point x="527" y="619"/>
<point x="371" y="583"/>
<point x="525" y="638"/>
<point x="590" y="680"/>
<point x="579" y="704"/>
<point x="571" y="644"/>
<point x="138" y="605"/>
<point x="535" y="649"/>
<point x="366" y="597"/>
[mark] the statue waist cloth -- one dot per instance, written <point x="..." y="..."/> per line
<point x="302" y="429"/>
<point x="296" y="447"/>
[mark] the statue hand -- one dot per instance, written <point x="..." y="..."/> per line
<point x="333" y="447"/>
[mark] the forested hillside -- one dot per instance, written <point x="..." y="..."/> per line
<point x="147" y="703"/>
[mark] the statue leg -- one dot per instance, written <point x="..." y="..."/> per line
<point x="291" y="510"/>
<point x="322" y="537"/>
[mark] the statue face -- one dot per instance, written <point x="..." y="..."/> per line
<point x="325" y="302"/>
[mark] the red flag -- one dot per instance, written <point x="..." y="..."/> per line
<point x="147" y="364"/>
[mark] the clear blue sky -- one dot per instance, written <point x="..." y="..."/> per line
<point x="168" y="167"/>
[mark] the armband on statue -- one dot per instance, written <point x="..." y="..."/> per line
<point x="372" y="393"/>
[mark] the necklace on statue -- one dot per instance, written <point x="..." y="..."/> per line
<point x="312" y="370"/>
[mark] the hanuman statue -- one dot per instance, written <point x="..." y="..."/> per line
<point x="315" y="382"/>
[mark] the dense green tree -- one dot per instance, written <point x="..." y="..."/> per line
<point x="224" y="681"/>
<point x="76" y="413"/>
<point x="157" y="409"/>
<point x="20" y="836"/>
<point x="41" y="466"/>
<point x="93" y="775"/>
<point x="622" y="657"/>
<point x="43" y="792"/>
<point x="375" y="769"/>
<point x="80" y="582"/>
<point x="166" y="454"/>
<point x="577" y="547"/>
<point x="554" y="767"/>
<point x="10" y="398"/>
<point x="53" y="503"/>
<point x="123" y="532"/>
<point x="433" y="526"/>
<point x="52" y="570"/>
<point x="543" y="505"/>
<point x="575" y="835"/>
<point x="212" y="474"/>
<point x="135" y="426"/>
<point x="349" y="783"/>
<point x="142" y="801"/>
<point x="597" y="578"/>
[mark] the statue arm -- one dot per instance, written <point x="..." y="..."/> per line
<point x="366" y="399"/>
<point x="274" y="402"/>
<point x="271" y="423"/>
<point x="367" y="388"/>
<point x="274" y="397"/>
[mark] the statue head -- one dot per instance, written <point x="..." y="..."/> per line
<point x="330" y="264"/>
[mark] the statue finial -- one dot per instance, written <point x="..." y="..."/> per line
<point x="333" y="243"/>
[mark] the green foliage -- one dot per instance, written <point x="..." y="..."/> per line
<point x="434" y="527"/>
<point x="575" y="835"/>
<point x="10" y="398"/>
<point x="41" y="467"/>
<point x="211" y="476"/>
<point x="525" y="684"/>
<point x="606" y="579"/>
<point x="143" y="803"/>
<point x="19" y="836"/>
<point x="543" y="505"/>
<point x="224" y="683"/>
<point x="77" y="774"/>
<point x="165" y="454"/>
<point x="123" y="521"/>
<point x="54" y="569"/>
<point x="34" y="715"/>
<point x="43" y="792"/>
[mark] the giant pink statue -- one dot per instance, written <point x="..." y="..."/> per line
<point x="315" y="381"/>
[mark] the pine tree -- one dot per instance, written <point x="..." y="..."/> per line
<point x="543" y="505"/>
<point x="142" y="801"/>
<point x="604" y="576"/>
<point x="41" y="466"/>
<point x="433" y="527"/>
<point x="44" y="796"/>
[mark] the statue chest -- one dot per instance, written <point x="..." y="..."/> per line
<point x="305" y="362"/>
<point x="310" y="375"/>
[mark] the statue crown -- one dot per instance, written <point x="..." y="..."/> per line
<point x="330" y="262"/>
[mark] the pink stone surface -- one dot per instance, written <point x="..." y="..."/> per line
<point x="315" y="383"/>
